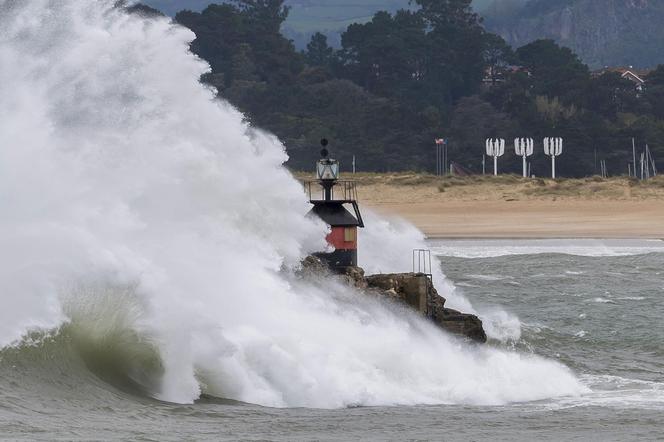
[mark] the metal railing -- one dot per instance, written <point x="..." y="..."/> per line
<point x="346" y="193"/>
<point x="422" y="261"/>
<point x="342" y="191"/>
<point x="422" y="266"/>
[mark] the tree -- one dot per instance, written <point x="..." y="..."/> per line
<point x="497" y="55"/>
<point x="446" y="13"/>
<point x="474" y="121"/>
<point x="387" y="54"/>
<point x="141" y="9"/>
<point x="403" y="79"/>
<point x="265" y="15"/>
<point x="556" y="71"/>
<point x="219" y="29"/>
<point x="319" y="53"/>
<point x="455" y="63"/>
<point x="245" y="32"/>
<point x="654" y="91"/>
<point x="656" y="77"/>
<point x="610" y="94"/>
<point x="242" y="66"/>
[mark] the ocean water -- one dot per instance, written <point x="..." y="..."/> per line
<point x="149" y="245"/>
<point x="598" y="312"/>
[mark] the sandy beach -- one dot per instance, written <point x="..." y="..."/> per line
<point x="511" y="207"/>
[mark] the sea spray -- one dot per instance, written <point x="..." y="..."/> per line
<point x="123" y="180"/>
<point x="386" y="247"/>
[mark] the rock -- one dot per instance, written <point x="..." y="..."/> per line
<point x="417" y="291"/>
<point x="355" y="276"/>
<point x="460" y="323"/>
<point x="392" y="294"/>
<point x="313" y="266"/>
<point x="601" y="32"/>
<point x="413" y="289"/>
<point x="410" y="288"/>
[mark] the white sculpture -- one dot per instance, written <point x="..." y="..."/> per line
<point x="524" y="148"/>
<point x="553" y="147"/>
<point x="495" y="148"/>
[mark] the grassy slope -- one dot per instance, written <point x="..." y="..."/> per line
<point x="420" y="187"/>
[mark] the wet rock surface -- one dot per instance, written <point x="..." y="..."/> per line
<point x="413" y="289"/>
<point x="417" y="290"/>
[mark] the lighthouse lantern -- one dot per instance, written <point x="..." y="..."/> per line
<point x="327" y="169"/>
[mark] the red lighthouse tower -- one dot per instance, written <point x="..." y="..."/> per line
<point x="331" y="209"/>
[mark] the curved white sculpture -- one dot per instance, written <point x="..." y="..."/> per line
<point x="524" y="147"/>
<point x="553" y="147"/>
<point x="495" y="148"/>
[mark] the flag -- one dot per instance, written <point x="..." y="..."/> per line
<point x="440" y="141"/>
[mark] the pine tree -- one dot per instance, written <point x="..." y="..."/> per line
<point x="319" y="53"/>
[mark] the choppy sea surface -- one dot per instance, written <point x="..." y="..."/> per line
<point x="594" y="306"/>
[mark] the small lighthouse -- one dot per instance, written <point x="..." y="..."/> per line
<point x="329" y="206"/>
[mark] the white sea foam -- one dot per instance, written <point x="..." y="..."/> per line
<point x="578" y="247"/>
<point x="134" y="202"/>
<point x="616" y="392"/>
<point x="490" y="278"/>
<point x="603" y="300"/>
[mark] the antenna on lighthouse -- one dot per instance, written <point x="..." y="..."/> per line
<point x="495" y="148"/>
<point x="524" y="147"/>
<point x="324" y="153"/>
<point x="553" y="147"/>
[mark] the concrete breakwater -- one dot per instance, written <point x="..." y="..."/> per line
<point x="415" y="290"/>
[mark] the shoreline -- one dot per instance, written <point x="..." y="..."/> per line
<point x="532" y="219"/>
<point x="508" y="207"/>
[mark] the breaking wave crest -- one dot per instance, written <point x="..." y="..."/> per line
<point x="149" y="234"/>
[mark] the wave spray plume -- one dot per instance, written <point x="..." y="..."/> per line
<point x="149" y="220"/>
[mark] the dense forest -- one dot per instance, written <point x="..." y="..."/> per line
<point x="403" y="79"/>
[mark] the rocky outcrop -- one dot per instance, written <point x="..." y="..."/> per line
<point x="417" y="291"/>
<point x="459" y="323"/>
<point x="410" y="288"/>
<point x="413" y="289"/>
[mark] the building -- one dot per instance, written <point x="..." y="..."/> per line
<point x="496" y="74"/>
<point x="331" y="209"/>
<point x="636" y="76"/>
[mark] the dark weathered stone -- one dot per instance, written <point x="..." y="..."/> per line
<point x="355" y="276"/>
<point x="413" y="289"/>
<point x="459" y="323"/>
<point x="417" y="290"/>
<point x="312" y="265"/>
<point x="410" y="288"/>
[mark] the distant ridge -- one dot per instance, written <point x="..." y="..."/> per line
<point x="602" y="32"/>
